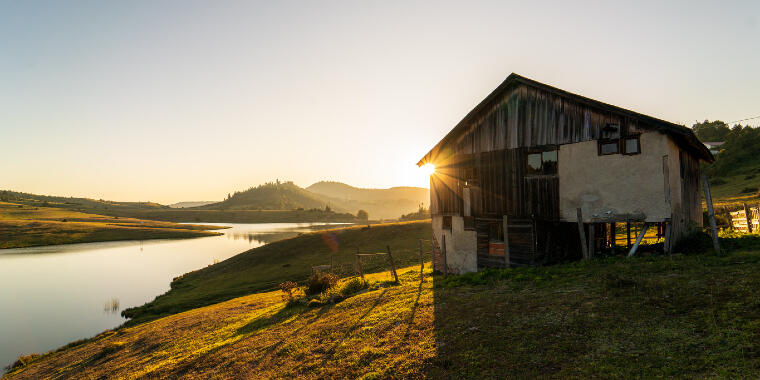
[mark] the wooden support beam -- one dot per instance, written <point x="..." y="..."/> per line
<point x="591" y="239"/>
<point x="711" y="214"/>
<point x="628" y="234"/>
<point x="666" y="248"/>
<point x="638" y="240"/>
<point x="582" y="233"/>
<point x="505" y="225"/>
<point x="613" y="236"/>
<point x="748" y="216"/>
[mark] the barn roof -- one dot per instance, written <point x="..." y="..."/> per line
<point x="682" y="135"/>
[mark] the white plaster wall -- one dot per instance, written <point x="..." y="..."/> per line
<point x="617" y="184"/>
<point x="461" y="245"/>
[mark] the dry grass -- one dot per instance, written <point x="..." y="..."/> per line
<point x="680" y="316"/>
<point x="25" y="226"/>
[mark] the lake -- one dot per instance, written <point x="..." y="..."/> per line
<point x="53" y="295"/>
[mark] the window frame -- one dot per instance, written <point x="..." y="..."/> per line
<point x="601" y="142"/>
<point x="623" y="142"/>
<point x="540" y="153"/>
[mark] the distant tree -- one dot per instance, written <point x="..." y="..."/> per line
<point x="711" y="130"/>
<point x="327" y="208"/>
<point x="362" y="215"/>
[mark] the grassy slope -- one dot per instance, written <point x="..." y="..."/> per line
<point x="24" y="226"/>
<point x="684" y="316"/>
<point x="265" y="267"/>
<point x="153" y="211"/>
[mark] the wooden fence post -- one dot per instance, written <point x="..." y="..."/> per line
<point x="591" y="239"/>
<point x="582" y="233"/>
<point x="359" y="263"/>
<point x="711" y="214"/>
<point x="443" y="253"/>
<point x="748" y="216"/>
<point x="393" y="267"/>
<point x="628" y="234"/>
<point x="505" y="226"/>
<point x="422" y="261"/>
<point x="638" y="240"/>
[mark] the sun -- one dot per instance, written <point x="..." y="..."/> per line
<point x="428" y="169"/>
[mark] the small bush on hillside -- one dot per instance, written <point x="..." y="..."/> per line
<point x="748" y="190"/>
<point x="288" y="287"/>
<point x="320" y="282"/>
<point x="337" y="294"/>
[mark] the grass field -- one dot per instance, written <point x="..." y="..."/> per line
<point x="264" y="268"/>
<point x="25" y="226"/>
<point x="235" y="216"/>
<point x="681" y="316"/>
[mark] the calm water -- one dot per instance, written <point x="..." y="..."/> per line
<point x="50" y="296"/>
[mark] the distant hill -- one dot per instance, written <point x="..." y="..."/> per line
<point x="188" y="204"/>
<point x="273" y="196"/>
<point x="379" y="203"/>
<point x="79" y="204"/>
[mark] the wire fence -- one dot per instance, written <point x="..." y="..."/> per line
<point x="378" y="262"/>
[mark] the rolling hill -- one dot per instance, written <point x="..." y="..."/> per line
<point x="340" y="197"/>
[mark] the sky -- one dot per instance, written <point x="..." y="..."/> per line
<point x="171" y="101"/>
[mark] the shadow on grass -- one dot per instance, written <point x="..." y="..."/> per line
<point x="656" y="316"/>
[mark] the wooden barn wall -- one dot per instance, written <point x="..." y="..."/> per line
<point x="691" y="200"/>
<point x="529" y="117"/>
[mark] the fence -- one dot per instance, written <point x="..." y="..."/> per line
<point x="374" y="262"/>
<point x="746" y="219"/>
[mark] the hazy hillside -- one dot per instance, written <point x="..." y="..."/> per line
<point x="78" y="204"/>
<point x="188" y="204"/>
<point x="379" y="203"/>
<point x="272" y="196"/>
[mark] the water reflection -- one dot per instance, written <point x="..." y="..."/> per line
<point x="89" y="284"/>
<point x="111" y="306"/>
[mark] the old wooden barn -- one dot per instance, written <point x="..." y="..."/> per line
<point x="515" y="176"/>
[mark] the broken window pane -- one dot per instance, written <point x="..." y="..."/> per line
<point x="549" y="162"/>
<point x="534" y="163"/>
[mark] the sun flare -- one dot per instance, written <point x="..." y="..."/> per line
<point x="428" y="169"/>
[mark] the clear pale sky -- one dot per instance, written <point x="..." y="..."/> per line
<point x="189" y="100"/>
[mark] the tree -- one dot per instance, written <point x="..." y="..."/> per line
<point x="362" y="215"/>
<point x="711" y="130"/>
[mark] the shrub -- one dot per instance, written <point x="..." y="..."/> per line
<point x="353" y="286"/>
<point x="320" y="281"/>
<point x="288" y="287"/>
<point x="749" y="190"/>
<point x="750" y="176"/>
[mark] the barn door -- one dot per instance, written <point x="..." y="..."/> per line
<point x="542" y="185"/>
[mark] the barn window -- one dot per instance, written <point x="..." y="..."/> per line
<point x="609" y="147"/>
<point x="542" y="163"/>
<point x="446" y="224"/>
<point x="631" y="145"/>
